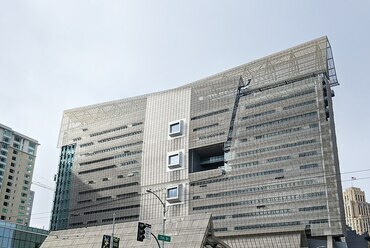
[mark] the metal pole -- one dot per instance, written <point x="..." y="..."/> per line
<point x="164" y="212"/>
<point x="111" y="239"/>
<point x="164" y="221"/>
<point x="156" y="239"/>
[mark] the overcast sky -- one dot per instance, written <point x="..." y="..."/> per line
<point x="58" y="55"/>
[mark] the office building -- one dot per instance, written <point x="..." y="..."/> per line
<point x="357" y="210"/>
<point x="20" y="236"/>
<point x="254" y="145"/>
<point x="17" y="161"/>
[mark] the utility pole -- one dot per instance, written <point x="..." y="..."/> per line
<point x="112" y="237"/>
<point x="164" y="213"/>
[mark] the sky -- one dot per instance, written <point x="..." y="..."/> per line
<point x="59" y="55"/>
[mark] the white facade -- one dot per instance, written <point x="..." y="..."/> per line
<point x="254" y="146"/>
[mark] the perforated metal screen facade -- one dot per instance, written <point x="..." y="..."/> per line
<point x="279" y="174"/>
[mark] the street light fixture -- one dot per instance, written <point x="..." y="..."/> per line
<point x="164" y="212"/>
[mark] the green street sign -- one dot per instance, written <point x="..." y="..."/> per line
<point x="164" y="238"/>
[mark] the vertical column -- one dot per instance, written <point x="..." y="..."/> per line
<point x="329" y="243"/>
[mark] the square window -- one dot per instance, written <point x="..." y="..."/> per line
<point x="174" y="194"/>
<point x="174" y="160"/>
<point x="175" y="128"/>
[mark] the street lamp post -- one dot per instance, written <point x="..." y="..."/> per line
<point x="112" y="238"/>
<point x="164" y="212"/>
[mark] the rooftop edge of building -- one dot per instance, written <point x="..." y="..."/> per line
<point x="222" y="74"/>
<point x="19" y="134"/>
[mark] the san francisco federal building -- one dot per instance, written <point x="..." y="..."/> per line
<point x="255" y="146"/>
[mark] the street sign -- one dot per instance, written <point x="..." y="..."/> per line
<point x="144" y="231"/>
<point x="164" y="238"/>
<point x="148" y="231"/>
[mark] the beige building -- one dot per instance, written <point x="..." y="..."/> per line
<point x="254" y="146"/>
<point x="17" y="160"/>
<point x="357" y="210"/>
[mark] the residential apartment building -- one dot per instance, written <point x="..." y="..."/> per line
<point x="254" y="145"/>
<point x="17" y="161"/>
<point x="357" y="210"/>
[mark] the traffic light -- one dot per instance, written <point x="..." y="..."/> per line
<point x="140" y="231"/>
<point x="106" y="241"/>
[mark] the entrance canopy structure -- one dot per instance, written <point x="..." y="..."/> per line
<point x="194" y="231"/>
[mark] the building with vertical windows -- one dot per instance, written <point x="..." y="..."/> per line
<point x="254" y="146"/>
<point x="17" y="161"/>
<point x="357" y="210"/>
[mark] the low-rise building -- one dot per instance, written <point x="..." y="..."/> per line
<point x="19" y="236"/>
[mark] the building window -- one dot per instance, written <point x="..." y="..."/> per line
<point x="175" y="128"/>
<point x="174" y="160"/>
<point x="171" y="193"/>
<point x="174" y="194"/>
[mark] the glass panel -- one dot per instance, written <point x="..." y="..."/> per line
<point x="172" y="193"/>
<point x="5" y="242"/>
<point x="175" y="128"/>
<point x="174" y="159"/>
